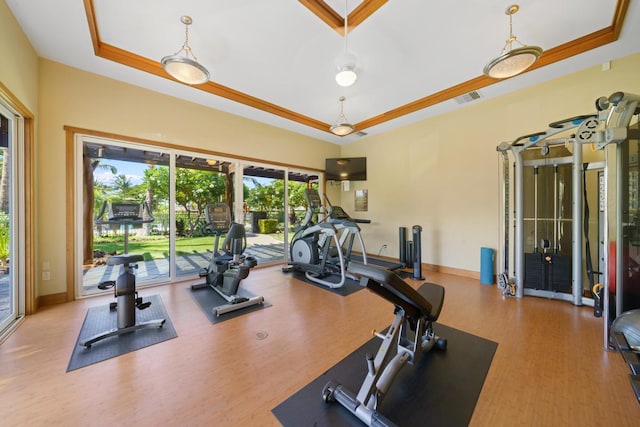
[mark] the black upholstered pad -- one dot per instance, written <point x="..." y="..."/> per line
<point x="435" y="295"/>
<point x="399" y="292"/>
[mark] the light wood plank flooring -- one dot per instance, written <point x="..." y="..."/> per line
<point x="550" y="368"/>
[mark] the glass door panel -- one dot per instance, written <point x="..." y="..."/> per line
<point x="297" y="205"/>
<point x="200" y="181"/>
<point x="125" y="193"/>
<point x="265" y="213"/>
<point x="8" y="219"/>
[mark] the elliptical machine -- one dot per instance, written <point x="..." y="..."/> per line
<point x="227" y="267"/>
<point x="348" y="230"/>
<point x="315" y="248"/>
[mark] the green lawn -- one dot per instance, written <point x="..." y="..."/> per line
<point x="158" y="248"/>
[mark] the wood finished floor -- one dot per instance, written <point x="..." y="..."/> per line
<point x="549" y="369"/>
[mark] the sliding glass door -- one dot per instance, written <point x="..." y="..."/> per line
<point x="151" y="200"/>
<point x="11" y="219"/>
<point x="265" y="203"/>
<point x="199" y="181"/>
<point x="120" y="179"/>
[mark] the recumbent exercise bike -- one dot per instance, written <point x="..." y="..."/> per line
<point x="411" y="330"/>
<point x="227" y="266"/>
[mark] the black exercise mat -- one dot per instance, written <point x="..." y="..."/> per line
<point x="440" y="390"/>
<point x="208" y="299"/>
<point x="349" y="287"/>
<point x="101" y="319"/>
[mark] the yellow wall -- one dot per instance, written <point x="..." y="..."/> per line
<point x="443" y="173"/>
<point x="19" y="63"/>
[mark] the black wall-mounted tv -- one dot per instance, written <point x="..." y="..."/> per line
<point x="346" y="169"/>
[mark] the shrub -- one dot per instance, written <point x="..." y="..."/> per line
<point x="268" y="226"/>
<point x="4" y="237"/>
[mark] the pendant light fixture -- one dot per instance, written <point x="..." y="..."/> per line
<point x="185" y="68"/>
<point x="512" y="61"/>
<point x="346" y="61"/>
<point x="342" y="127"/>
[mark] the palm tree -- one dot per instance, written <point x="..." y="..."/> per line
<point x="123" y="186"/>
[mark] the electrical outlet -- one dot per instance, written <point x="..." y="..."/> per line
<point x="46" y="275"/>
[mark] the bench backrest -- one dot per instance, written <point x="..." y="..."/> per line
<point x="391" y="287"/>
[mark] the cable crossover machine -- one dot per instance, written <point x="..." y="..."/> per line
<point x="538" y="266"/>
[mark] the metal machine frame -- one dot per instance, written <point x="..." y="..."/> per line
<point x="609" y="125"/>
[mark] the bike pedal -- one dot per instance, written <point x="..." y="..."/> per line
<point x="143" y="305"/>
<point x="107" y="284"/>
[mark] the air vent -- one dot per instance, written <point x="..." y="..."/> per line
<point x="468" y="97"/>
<point x="361" y="133"/>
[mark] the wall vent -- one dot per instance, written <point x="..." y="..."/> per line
<point x="468" y="97"/>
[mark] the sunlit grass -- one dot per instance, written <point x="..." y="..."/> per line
<point x="157" y="247"/>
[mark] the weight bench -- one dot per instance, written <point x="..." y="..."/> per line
<point x="411" y="330"/>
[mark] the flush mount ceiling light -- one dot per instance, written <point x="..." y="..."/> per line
<point x="346" y="62"/>
<point x="342" y="126"/>
<point x="512" y="61"/>
<point x="185" y="68"/>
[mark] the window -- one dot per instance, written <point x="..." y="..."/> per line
<point x="151" y="200"/>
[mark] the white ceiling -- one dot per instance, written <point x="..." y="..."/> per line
<point x="280" y="52"/>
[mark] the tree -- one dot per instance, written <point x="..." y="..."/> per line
<point x="156" y="180"/>
<point x="262" y="197"/>
<point x="123" y="188"/>
<point x="296" y="199"/>
<point x="194" y="190"/>
<point x="89" y="165"/>
<point x="270" y="197"/>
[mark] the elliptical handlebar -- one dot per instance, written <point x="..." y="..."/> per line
<point x="337" y="213"/>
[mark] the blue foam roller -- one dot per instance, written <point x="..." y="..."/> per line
<point x="486" y="266"/>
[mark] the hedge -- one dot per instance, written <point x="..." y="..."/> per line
<point x="268" y="225"/>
